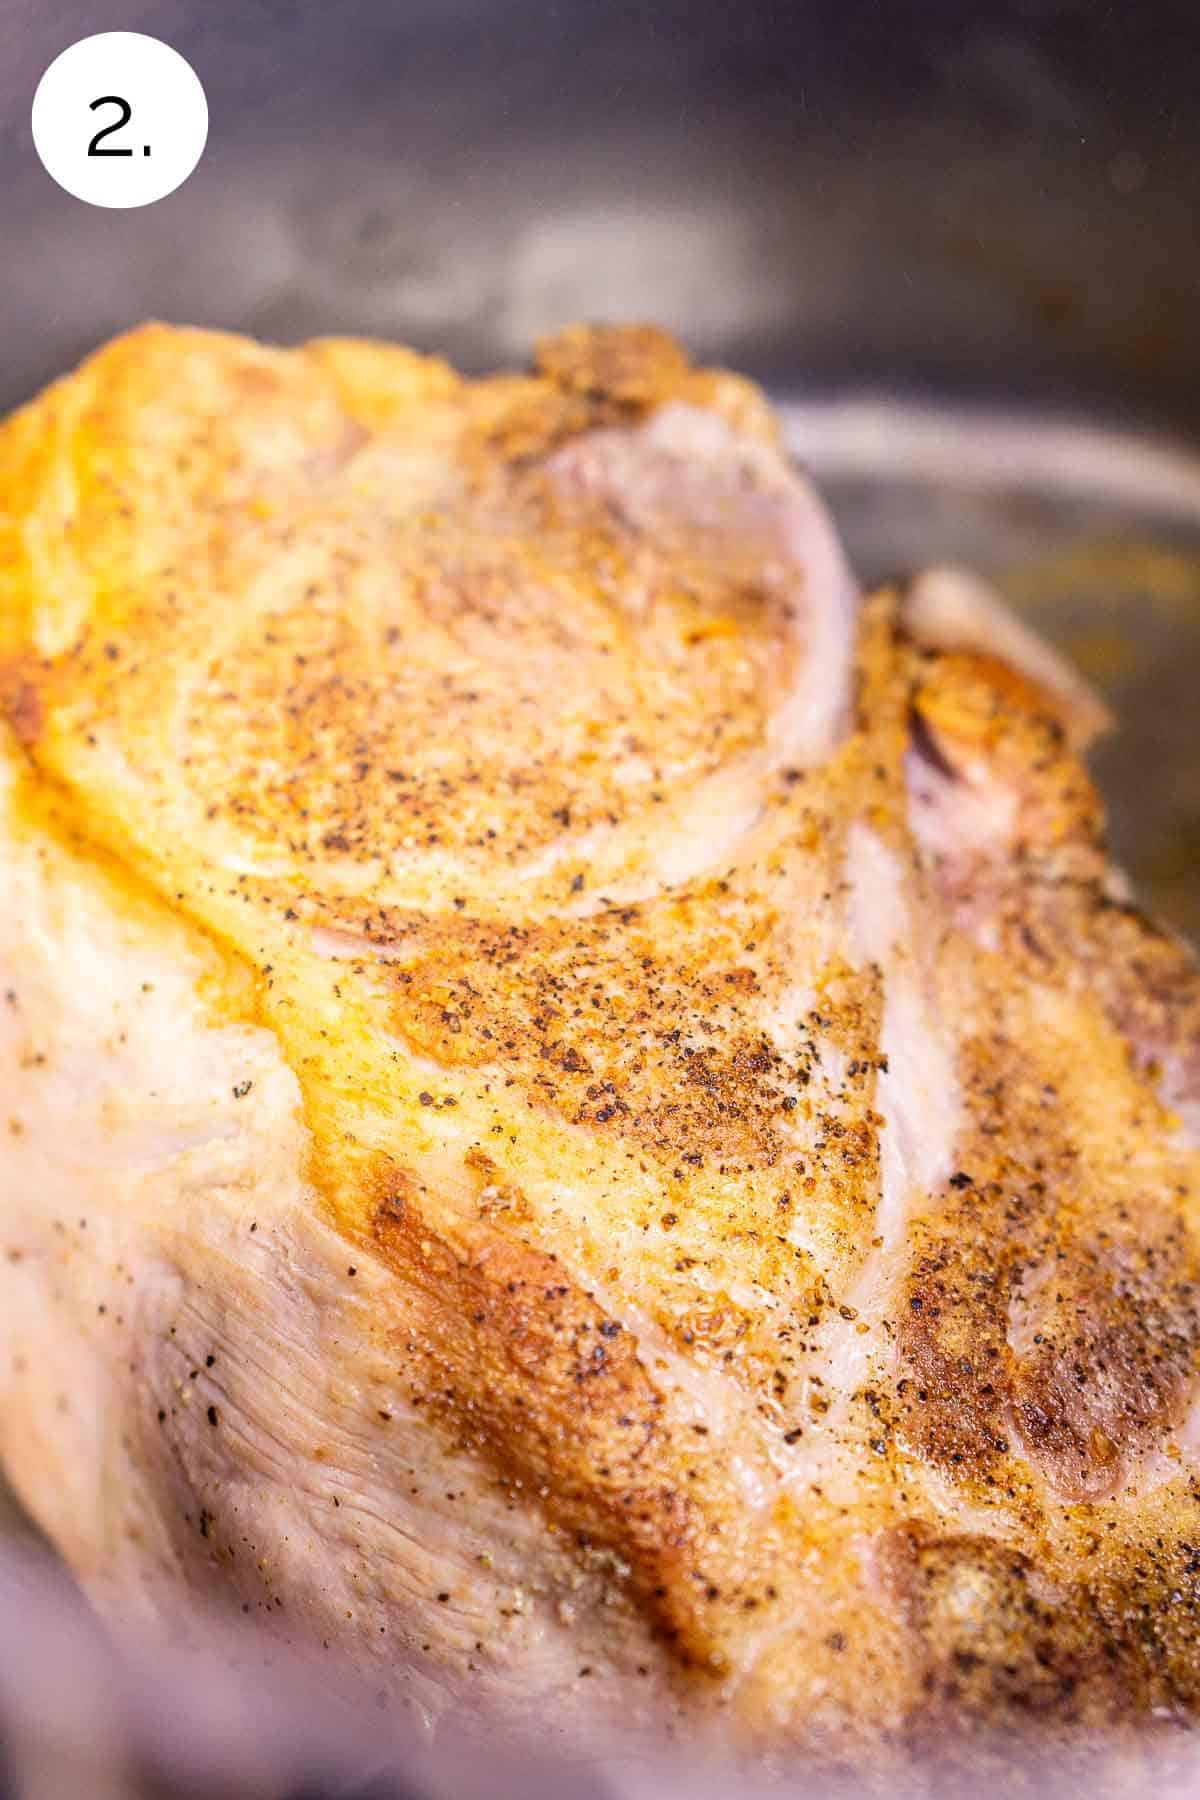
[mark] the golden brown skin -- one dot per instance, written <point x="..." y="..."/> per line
<point x="458" y="732"/>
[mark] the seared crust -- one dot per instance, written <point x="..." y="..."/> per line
<point x="407" y="696"/>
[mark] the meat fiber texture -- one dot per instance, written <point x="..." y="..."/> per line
<point x="583" y="1119"/>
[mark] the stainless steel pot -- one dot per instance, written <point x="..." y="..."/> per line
<point x="995" y="199"/>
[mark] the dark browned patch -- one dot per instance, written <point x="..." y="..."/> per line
<point x="629" y="365"/>
<point x="21" y="698"/>
<point x="993" y="1635"/>
<point x="1106" y="1364"/>
<point x="955" y="1380"/>
<point x="1110" y="1366"/>
<point x="1003" y="1636"/>
<point x="536" y="1372"/>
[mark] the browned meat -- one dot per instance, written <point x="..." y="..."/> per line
<point x="583" y="1115"/>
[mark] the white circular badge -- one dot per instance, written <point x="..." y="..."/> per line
<point x="120" y="119"/>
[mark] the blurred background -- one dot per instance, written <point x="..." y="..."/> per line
<point x="959" y="242"/>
